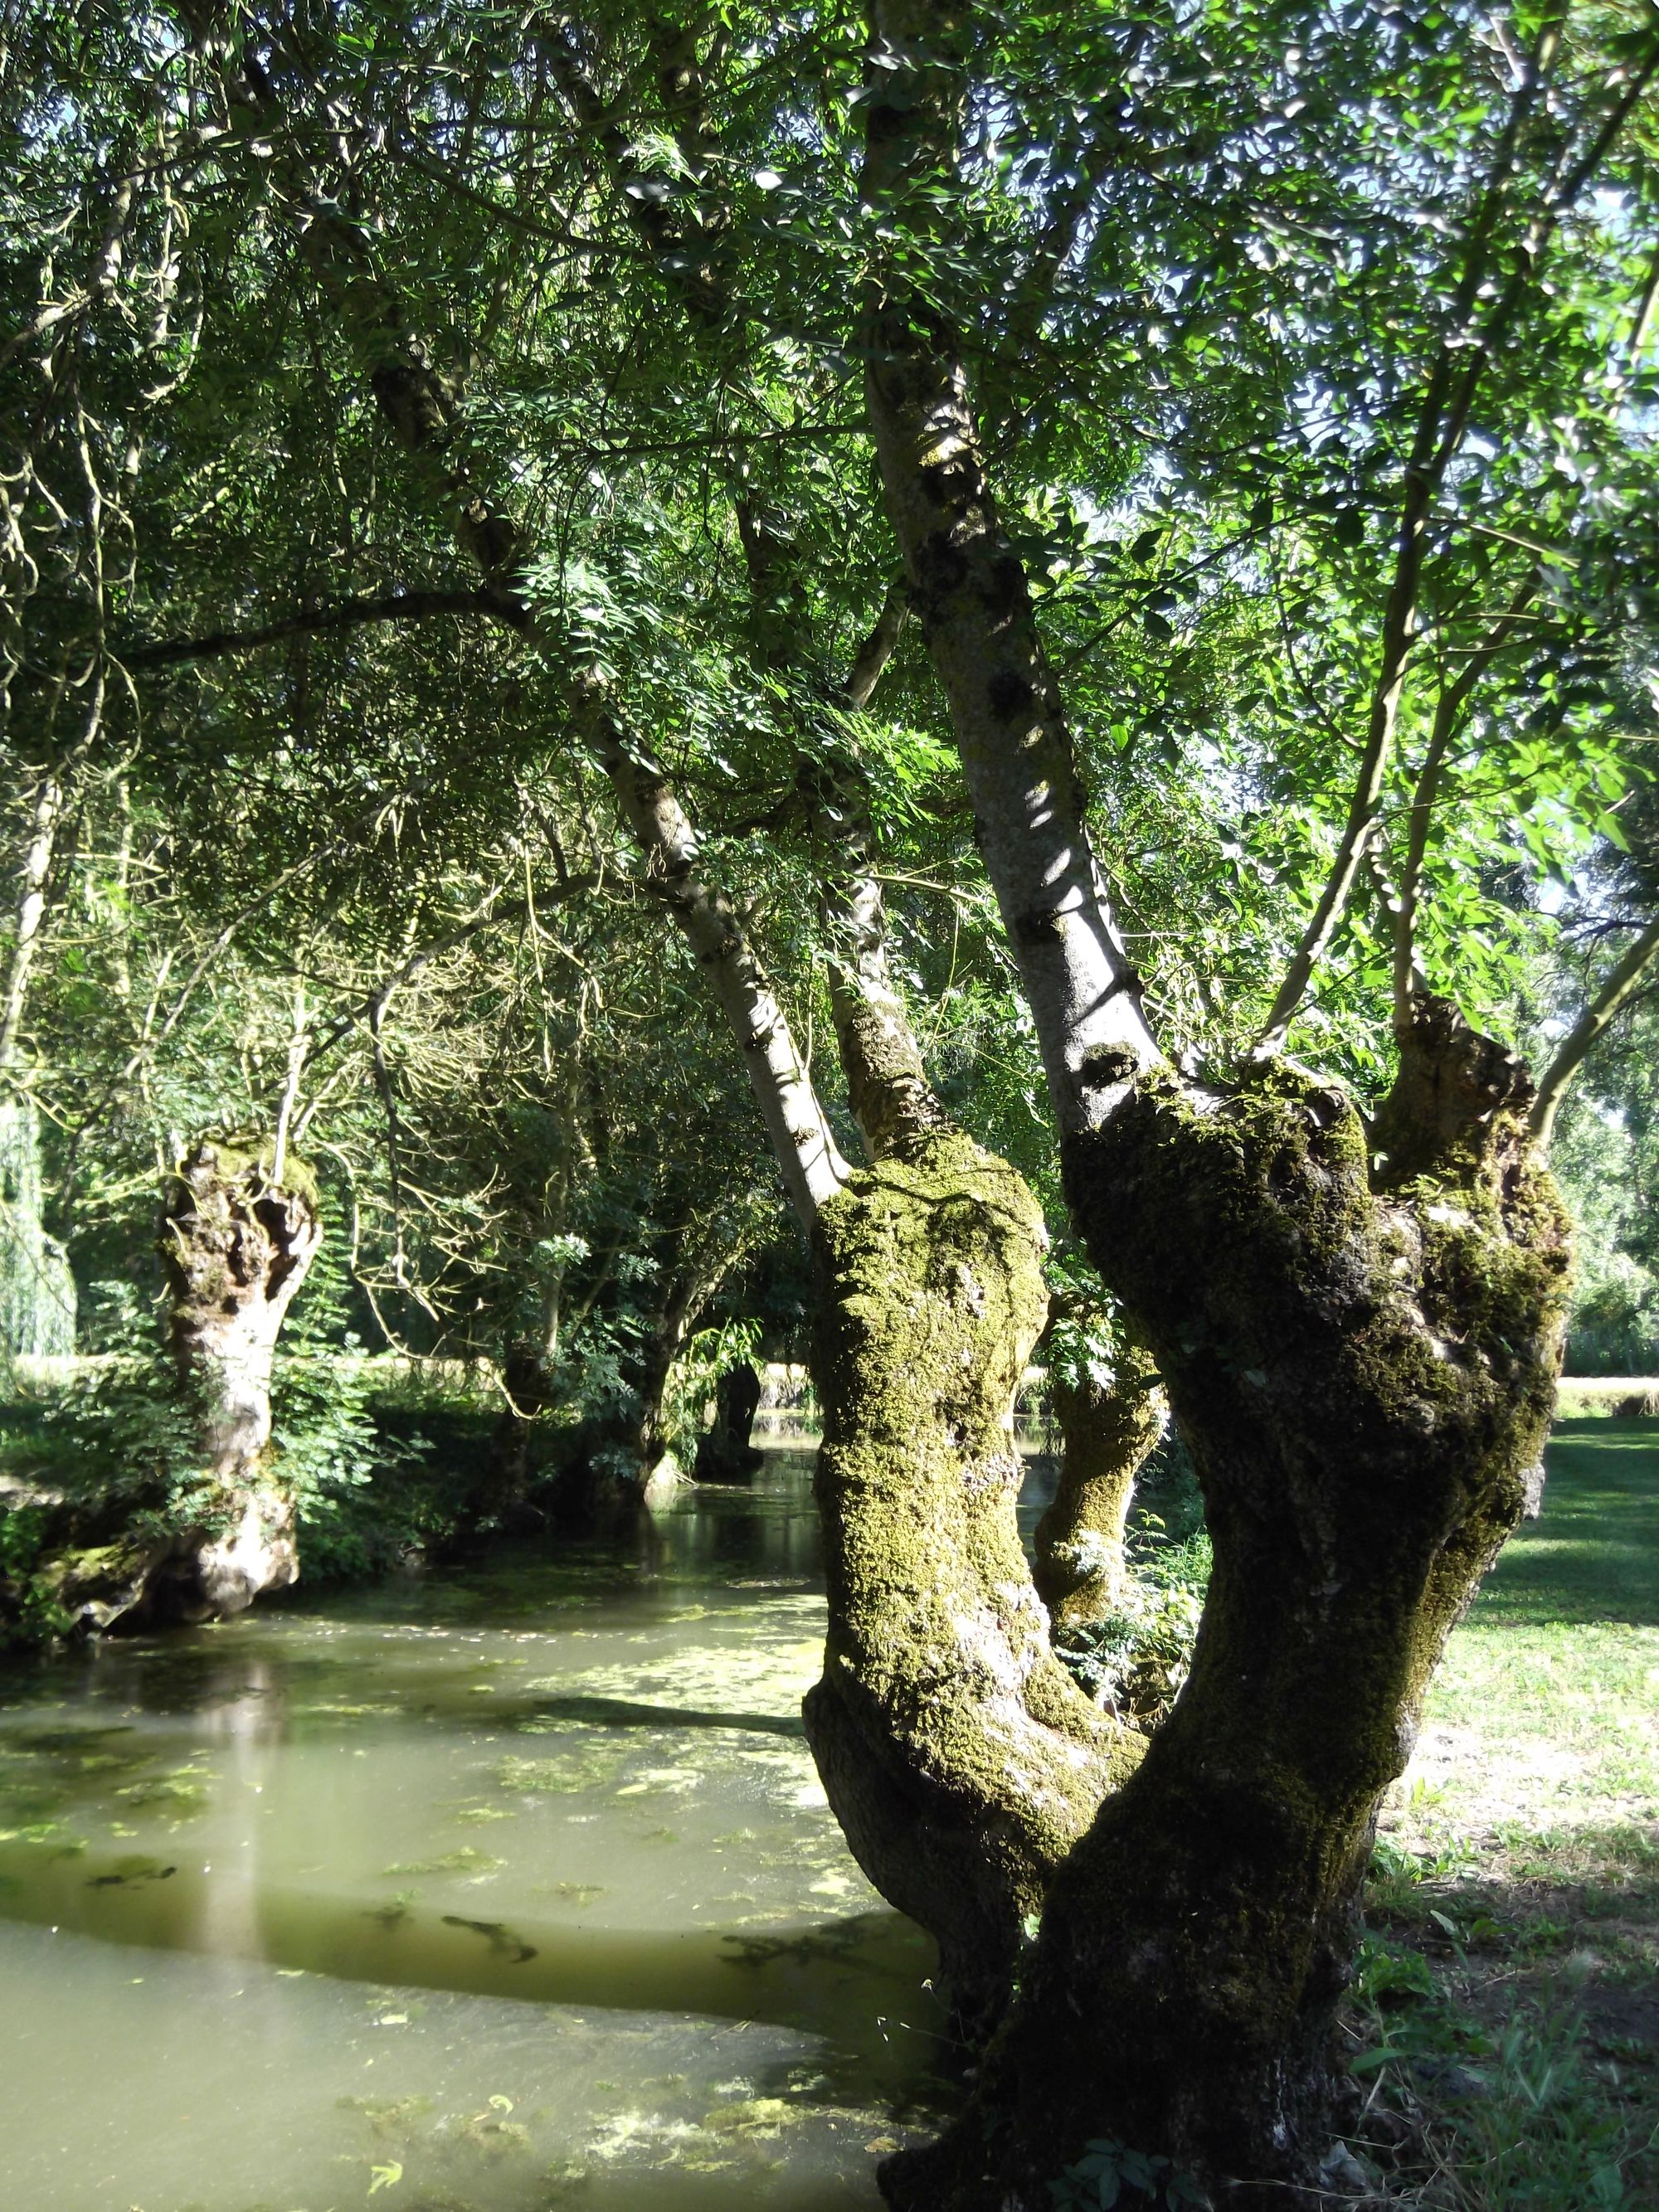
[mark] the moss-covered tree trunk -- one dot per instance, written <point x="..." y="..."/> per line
<point x="236" y="1244"/>
<point x="1107" y="1428"/>
<point x="1363" y="1365"/>
<point x="960" y="1758"/>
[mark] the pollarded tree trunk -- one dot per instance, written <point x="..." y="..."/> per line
<point x="236" y="1244"/>
<point x="686" y="1295"/>
<point x="528" y="1383"/>
<point x="959" y="1755"/>
<point x="1106" y="1431"/>
<point x="1363" y="1365"/>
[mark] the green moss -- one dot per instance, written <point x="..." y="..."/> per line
<point x="1362" y="1370"/>
<point x="244" y="1156"/>
<point x="960" y="1756"/>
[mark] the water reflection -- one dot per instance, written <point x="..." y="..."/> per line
<point x="538" y="1842"/>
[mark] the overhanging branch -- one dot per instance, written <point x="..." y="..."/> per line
<point x="343" y="614"/>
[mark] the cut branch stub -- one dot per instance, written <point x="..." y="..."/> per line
<point x="235" y="1248"/>
<point x="1365" y="1379"/>
<point x="1458" y="1098"/>
<point x="960" y="1758"/>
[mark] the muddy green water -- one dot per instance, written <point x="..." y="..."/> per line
<point x="492" y="1890"/>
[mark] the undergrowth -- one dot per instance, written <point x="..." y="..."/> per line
<point x="1135" y="1658"/>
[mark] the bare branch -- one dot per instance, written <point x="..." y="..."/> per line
<point x="877" y="649"/>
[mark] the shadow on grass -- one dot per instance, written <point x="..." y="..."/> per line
<point x="1594" y="1553"/>
<point x="1507" y="2032"/>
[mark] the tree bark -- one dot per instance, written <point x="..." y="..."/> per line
<point x="1363" y="1364"/>
<point x="1106" y="1431"/>
<point x="235" y="1248"/>
<point x="959" y="1756"/>
<point x="37" y="1289"/>
<point x="38" y="856"/>
<point x="1359" y="1332"/>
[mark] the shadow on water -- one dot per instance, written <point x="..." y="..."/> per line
<point x="549" y="1816"/>
<point x="820" y="1980"/>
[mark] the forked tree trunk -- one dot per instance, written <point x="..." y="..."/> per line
<point x="1106" y="1431"/>
<point x="960" y="1758"/>
<point x="961" y="1767"/>
<point x="235" y="1248"/>
<point x="1359" y="1332"/>
<point x="1364" y="1369"/>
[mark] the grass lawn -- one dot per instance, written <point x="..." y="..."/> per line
<point x="1509" y="1986"/>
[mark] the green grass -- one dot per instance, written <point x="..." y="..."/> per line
<point x="1508" y="1992"/>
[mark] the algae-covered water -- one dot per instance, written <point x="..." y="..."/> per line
<point x="497" y="1889"/>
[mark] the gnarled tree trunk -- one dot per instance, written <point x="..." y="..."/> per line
<point x="1106" y="1431"/>
<point x="1363" y="1365"/>
<point x="959" y="1756"/>
<point x="236" y="1245"/>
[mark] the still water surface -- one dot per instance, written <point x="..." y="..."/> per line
<point x="503" y="1888"/>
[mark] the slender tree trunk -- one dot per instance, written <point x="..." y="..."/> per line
<point x="37" y="1290"/>
<point x="1106" y="1430"/>
<point x="31" y="911"/>
<point x="236" y="1247"/>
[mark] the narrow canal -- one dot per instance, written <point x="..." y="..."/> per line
<point x="491" y="1890"/>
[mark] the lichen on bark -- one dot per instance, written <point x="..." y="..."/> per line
<point x="960" y="1758"/>
<point x="1360" y="1345"/>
